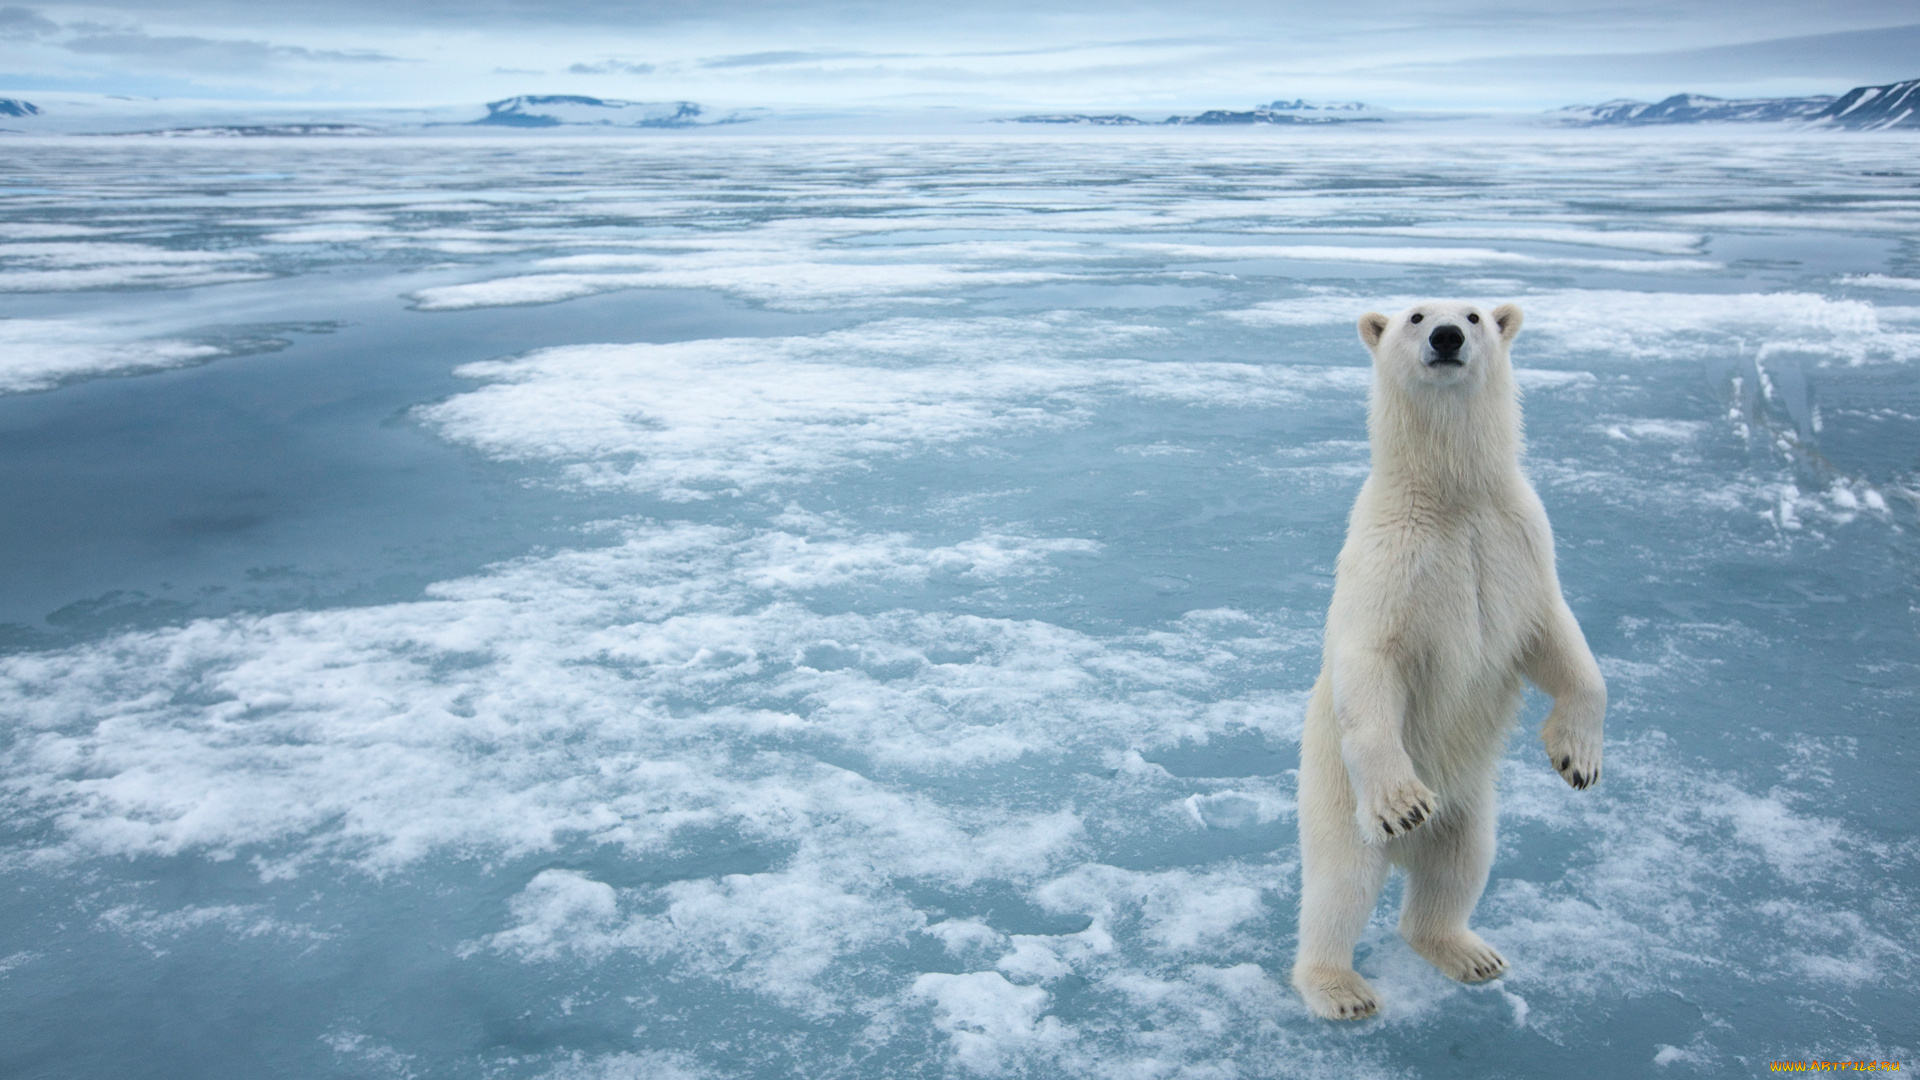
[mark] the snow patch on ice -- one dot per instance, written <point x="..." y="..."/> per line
<point x="39" y="354"/>
<point x="154" y="928"/>
<point x="378" y="735"/>
<point x="777" y="279"/>
<point x="1620" y="324"/>
<point x="988" y="1019"/>
<point x="697" y="419"/>
<point x="558" y="907"/>
<point x="1657" y="430"/>
<point x="1232" y="809"/>
<point x="1881" y="281"/>
<point x="1409" y="256"/>
<point x="1177" y="910"/>
<point x="49" y="266"/>
<point x="657" y="1065"/>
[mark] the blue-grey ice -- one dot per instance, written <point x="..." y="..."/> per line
<point x="741" y="606"/>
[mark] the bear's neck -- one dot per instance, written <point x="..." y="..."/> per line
<point x="1450" y="447"/>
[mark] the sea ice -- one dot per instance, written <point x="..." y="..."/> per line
<point x="916" y="686"/>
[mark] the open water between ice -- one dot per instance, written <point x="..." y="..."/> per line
<point x="745" y="607"/>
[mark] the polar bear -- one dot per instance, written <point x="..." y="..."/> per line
<point x="1444" y="598"/>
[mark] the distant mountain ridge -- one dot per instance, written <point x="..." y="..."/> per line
<point x="256" y="131"/>
<point x="1290" y="112"/>
<point x="1875" y="108"/>
<point x="1299" y="111"/>
<point x="1864" y="108"/>
<point x="1892" y="106"/>
<point x="555" y="110"/>
<point x="1104" y="120"/>
<point x="1691" y="109"/>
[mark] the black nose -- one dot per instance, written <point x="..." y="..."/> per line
<point x="1446" y="339"/>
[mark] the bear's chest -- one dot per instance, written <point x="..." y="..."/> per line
<point x="1470" y="596"/>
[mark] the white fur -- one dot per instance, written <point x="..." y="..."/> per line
<point x="1445" y="598"/>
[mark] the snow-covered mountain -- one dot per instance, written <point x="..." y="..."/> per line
<point x="1279" y="112"/>
<point x="1100" y="120"/>
<point x="1864" y="108"/>
<point x="1875" y="108"/>
<point x="257" y="131"/>
<point x="61" y="112"/>
<point x="1290" y="112"/>
<point x="1690" y="109"/>
<point x="1343" y="110"/>
<point x="555" y="110"/>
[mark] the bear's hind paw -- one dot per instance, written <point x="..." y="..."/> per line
<point x="1464" y="958"/>
<point x="1336" y="993"/>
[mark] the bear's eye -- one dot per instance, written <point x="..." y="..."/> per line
<point x="1416" y="318"/>
<point x="1473" y="318"/>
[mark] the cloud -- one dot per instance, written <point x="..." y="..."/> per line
<point x="129" y="41"/>
<point x="1853" y="58"/>
<point x="770" y="59"/>
<point x="18" y="23"/>
<point x="1713" y="19"/>
<point x="609" y="67"/>
<point x="1120" y="55"/>
<point x="1084" y="46"/>
<point x="228" y="54"/>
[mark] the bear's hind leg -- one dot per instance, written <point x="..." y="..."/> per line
<point x="1340" y="881"/>
<point x="1447" y="865"/>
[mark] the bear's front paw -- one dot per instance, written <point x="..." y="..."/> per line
<point x="1397" y="809"/>
<point x="1575" y="756"/>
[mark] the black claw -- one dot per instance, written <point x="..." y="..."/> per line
<point x="1578" y="781"/>
<point x="1564" y="762"/>
<point x="1387" y="827"/>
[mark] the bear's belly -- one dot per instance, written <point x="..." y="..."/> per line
<point x="1457" y="722"/>
<point x="1461" y="642"/>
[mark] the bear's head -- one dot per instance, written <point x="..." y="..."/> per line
<point x="1440" y="343"/>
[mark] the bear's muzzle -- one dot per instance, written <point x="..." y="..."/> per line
<point x="1444" y="344"/>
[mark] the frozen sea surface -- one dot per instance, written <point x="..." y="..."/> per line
<point x="741" y="607"/>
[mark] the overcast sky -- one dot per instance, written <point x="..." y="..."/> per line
<point x="1086" y="54"/>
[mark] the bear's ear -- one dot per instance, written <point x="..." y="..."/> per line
<point x="1508" y="318"/>
<point x="1372" y="325"/>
